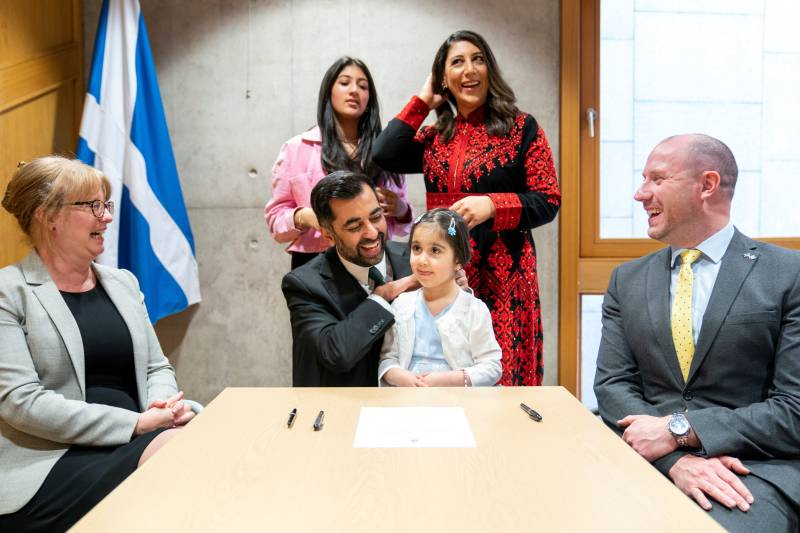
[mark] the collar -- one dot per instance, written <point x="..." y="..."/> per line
<point x="475" y="118"/>
<point x="362" y="273"/>
<point x="314" y="135"/>
<point x="713" y="248"/>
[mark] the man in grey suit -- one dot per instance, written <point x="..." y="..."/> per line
<point x="699" y="363"/>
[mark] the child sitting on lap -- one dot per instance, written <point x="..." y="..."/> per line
<point x="442" y="336"/>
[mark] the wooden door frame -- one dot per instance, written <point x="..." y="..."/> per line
<point x="585" y="260"/>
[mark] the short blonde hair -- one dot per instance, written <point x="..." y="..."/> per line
<point x="44" y="185"/>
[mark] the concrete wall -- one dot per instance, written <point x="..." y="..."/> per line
<point x="240" y="77"/>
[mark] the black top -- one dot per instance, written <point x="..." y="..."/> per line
<point x="107" y="348"/>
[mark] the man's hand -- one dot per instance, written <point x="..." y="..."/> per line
<point x="392" y="289"/>
<point x="715" y="477"/>
<point x="648" y="435"/>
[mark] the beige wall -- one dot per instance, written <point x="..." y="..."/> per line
<point x="240" y="77"/>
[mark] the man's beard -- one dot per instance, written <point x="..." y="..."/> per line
<point x="353" y="254"/>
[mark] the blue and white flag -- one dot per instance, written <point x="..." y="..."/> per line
<point x="124" y="134"/>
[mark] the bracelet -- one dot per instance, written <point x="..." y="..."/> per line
<point x="467" y="381"/>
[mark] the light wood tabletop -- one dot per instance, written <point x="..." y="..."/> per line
<point x="237" y="467"/>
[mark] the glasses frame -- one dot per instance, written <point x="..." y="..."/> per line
<point x="99" y="207"/>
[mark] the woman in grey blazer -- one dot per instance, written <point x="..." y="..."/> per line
<point x="86" y="393"/>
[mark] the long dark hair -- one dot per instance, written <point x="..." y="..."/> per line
<point x="500" y="100"/>
<point x="334" y="156"/>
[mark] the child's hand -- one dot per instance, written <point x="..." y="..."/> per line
<point x="452" y="378"/>
<point x="403" y="378"/>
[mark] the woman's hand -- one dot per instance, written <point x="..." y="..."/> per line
<point x="304" y="218"/>
<point x="152" y="419"/>
<point x="393" y="205"/>
<point x="474" y="209"/>
<point x="181" y="413"/>
<point x="403" y="378"/>
<point x="427" y="94"/>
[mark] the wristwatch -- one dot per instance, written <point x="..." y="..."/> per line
<point x="679" y="427"/>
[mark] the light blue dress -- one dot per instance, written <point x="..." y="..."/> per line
<point x="428" y="355"/>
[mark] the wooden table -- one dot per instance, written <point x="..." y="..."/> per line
<point x="238" y="468"/>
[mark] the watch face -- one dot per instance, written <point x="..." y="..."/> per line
<point x="678" y="425"/>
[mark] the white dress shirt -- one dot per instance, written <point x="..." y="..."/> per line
<point x="705" y="270"/>
<point x="362" y="277"/>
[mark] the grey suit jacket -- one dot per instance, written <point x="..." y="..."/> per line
<point x="742" y="395"/>
<point x="42" y="388"/>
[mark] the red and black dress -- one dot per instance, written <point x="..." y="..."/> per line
<point x="517" y="172"/>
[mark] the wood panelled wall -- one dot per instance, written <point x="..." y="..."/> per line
<point x="41" y="92"/>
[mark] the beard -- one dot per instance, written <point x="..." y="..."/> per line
<point x="355" y="255"/>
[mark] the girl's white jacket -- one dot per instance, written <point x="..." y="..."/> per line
<point x="466" y="332"/>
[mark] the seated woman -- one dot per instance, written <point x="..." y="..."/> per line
<point x="85" y="390"/>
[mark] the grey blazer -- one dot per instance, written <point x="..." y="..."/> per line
<point x="743" y="390"/>
<point x="42" y="389"/>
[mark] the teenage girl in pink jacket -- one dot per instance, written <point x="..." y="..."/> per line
<point x="348" y="120"/>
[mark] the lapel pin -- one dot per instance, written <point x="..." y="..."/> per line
<point x="748" y="255"/>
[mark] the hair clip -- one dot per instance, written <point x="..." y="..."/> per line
<point x="22" y="164"/>
<point x="451" y="229"/>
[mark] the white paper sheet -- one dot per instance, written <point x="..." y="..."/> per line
<point x="413" y="427"/>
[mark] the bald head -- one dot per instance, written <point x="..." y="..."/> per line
<point x="703" y="153"/>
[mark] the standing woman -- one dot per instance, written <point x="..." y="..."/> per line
<point x="86" y="393"/>
<point x="492" y="164"/>
<point x="348" y="121"/>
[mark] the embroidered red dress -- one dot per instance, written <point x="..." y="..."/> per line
<point x="517" y="172"/>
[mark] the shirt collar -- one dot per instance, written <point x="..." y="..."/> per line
<point x="475" y="118"/>
<point x="314" y="135"/>
<point x="713" y="248"/>
<point x="362" y="273"/>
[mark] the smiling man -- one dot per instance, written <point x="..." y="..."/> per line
<point x="699" y="362"/>
<point x="339" y="301"/>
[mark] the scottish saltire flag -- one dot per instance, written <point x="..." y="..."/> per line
<point x="124" y="134"/>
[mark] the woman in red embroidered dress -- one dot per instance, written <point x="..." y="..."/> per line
<point x="492" y="164"/>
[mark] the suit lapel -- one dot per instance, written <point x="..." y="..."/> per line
<point x="738" y="261"/>
<point x="658" y="282"/>
<point x="53" y="303"/>
<point x="128" y="309"/>
<point x="344" y="289"/>
<point x="398" y="258"/>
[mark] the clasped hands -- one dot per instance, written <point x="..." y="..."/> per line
<point x="697" y="477"/>
<point x="400" y="377"/>
<point x="168" y="413"/>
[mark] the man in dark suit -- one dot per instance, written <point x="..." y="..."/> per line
<point x="339" y="301"/>
<point x="699" y="363"/>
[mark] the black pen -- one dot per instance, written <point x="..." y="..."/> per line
<point x="291" y="418"/>
<point x="531" y="413"/>
<point x="318" y="421"/>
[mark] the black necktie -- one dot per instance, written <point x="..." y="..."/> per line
<point x="376" y="277"/>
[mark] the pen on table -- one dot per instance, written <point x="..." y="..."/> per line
<point x="318" y="421"/>
<point x="292" y="415"/>
<point x="531" y="413"/>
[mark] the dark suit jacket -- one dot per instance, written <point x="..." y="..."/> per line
<point x="336" y="331"/>
<point x="743" y="390"/>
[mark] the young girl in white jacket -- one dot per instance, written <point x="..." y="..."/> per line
<point x="442" y="335"/>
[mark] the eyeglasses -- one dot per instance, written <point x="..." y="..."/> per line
<point x="98" y="208"/>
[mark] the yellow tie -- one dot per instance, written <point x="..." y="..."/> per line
<point x="682" y="312"/>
